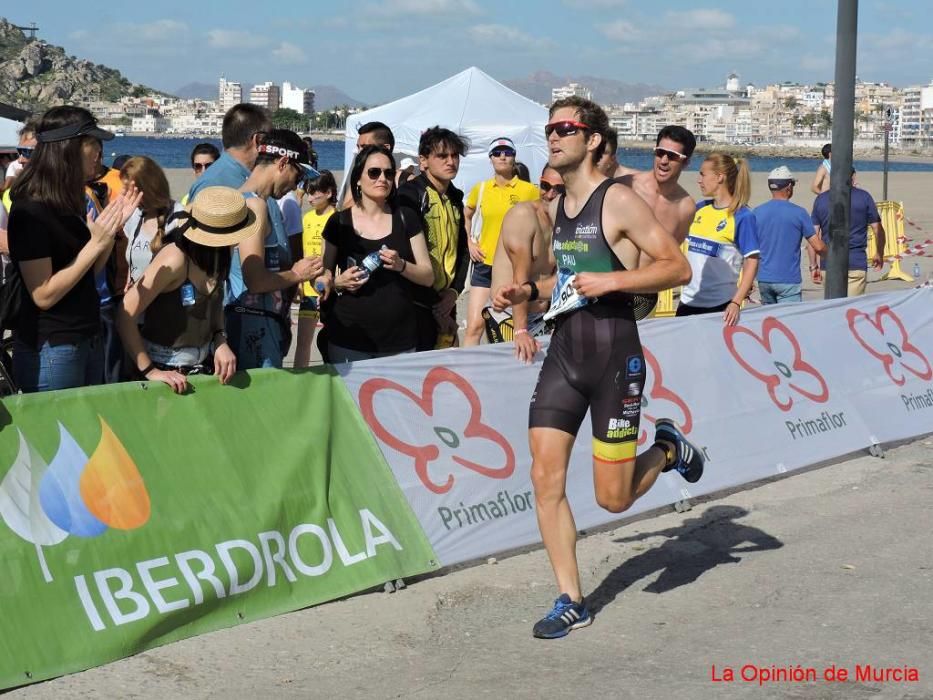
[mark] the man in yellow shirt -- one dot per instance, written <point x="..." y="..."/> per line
<point x="492" y="198"/>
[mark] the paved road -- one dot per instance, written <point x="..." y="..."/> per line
<point x="832" y="566"/>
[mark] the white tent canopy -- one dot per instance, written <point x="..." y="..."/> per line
<point x="8" y="132"/>
<point x="471" y="104"/>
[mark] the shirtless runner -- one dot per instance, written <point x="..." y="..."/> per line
<point x="524" y="253"/>
<point x="659" y="188"/>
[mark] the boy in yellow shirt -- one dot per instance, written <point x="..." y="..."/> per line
<point x="322" y="196"/>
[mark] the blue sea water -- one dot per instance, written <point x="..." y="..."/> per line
<point x="175" y="153"/>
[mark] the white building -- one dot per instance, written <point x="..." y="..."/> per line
<point x="294" y="97"/>
<point x="228" y="94"/>
<point x="267" y="95"/>
<point x="916" y="116"/>
<point x="570" y="90"/>
<point x="150" y="124"/>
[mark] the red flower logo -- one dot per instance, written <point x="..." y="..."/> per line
<point x="432" y="419"/>
<point x="669" y="405"/>
<point x="774" y="358"/>
<point x="885" y="338"/>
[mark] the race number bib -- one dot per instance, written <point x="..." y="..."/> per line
<point x="565" y="297"/>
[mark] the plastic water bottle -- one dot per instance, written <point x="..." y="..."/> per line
<point x="371" y="262"/>
<point x="319" y="286"/>
<point x="916" y="270"/>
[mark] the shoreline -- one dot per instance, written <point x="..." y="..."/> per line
<point x="316" y="135"/>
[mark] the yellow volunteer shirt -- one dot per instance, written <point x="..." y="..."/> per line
<point x="312" y="242"/>
<point x="496" y="201"/>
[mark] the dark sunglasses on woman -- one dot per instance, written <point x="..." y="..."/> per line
<point x="24" y="152"/>
<point x="373" y="173"/>
<point x="546" y="187"/>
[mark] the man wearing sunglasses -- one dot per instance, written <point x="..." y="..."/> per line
<point x="659" y="188"/>
<point x="492" y="199"/>
<point x="256" y="302"/>
<point x="524" y="253"/>
<point x="595" y="361"/>
<point x="27" y="142"/>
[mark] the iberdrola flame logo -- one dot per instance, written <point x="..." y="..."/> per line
<point x="73" y="494"/>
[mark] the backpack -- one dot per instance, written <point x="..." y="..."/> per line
<point x="11" y="297"/>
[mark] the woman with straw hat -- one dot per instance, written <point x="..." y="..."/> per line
<point x="181" y="292"/>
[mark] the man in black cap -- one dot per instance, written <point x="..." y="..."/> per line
<point x="256" y="301"/>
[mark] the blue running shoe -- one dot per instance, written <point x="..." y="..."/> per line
<point x="565" y="616"/>
<point x="689" y="461"/>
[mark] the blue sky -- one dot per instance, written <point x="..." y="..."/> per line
<point x="376" y="50"/>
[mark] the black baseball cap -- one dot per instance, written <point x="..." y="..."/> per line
<point x="72" y="131"/>
<point x="281" y="142"/>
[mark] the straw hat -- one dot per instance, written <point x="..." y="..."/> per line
<point x="218" y="217"/>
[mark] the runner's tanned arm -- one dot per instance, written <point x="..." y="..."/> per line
<point x="625" y="215"/>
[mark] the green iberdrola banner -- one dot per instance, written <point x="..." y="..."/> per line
<point x="131" y="517"/>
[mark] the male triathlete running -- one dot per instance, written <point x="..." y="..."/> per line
<point x="524" y="253"/>
<point x="595" y="360"/>
<point x="672" y="205"/>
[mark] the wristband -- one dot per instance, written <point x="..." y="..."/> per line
<point x="519" y="331"/>
<point x="404" y="265"/>
<point x="534" y="290"/>
<point x="147" y="369"/>
<point x="736" y="303"/>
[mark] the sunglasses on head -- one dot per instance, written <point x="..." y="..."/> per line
<point x="374" y="173"/>
<point x="24" y="151"/>
<point x="565" y="128"/>
<point x="198" y="167"/>
<point x="499" y="152"/>
<point x="671" y="155"/>
<point x="546" y="187"/>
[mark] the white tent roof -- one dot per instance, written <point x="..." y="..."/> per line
<point x="8" y="132"/>
<point x="471" y="104"/>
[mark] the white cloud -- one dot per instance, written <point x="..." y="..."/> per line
<point x="702" y="19"/>
<point x="621" y="31"/>
<point x="287" y="52"/>
<point x="420" y="8"/>
<point x="234" y="39"/>
<point x="505" y="38"/>
<point x="595" y="4"/>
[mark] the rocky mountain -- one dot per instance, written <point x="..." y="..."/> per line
<point x="197" y="91"/>
<point x="605" y="91"/>
<point x="327" y="97"/>
<point x="35" y="75"/>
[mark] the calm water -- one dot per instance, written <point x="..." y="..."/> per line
<point x="175" y="153"/>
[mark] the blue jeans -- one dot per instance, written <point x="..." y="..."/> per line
<point x="54" y="367"/>
<point x="778" y="293"/>
<point x="257" y="341"/>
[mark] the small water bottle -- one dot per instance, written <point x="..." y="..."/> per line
<point x="187" y="294"/>
<point x="319" y="286"/>
<point x="372" y="262"/>
<point x="916" y="270"/>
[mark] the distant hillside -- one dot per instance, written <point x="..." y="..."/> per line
<point x="327" y="97"/>
<point x="605" y="91"/>
<point x="35" y="75"/>
<point x="197" y="91"/>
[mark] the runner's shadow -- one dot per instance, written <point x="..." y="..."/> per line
<point x="693" y="548"/>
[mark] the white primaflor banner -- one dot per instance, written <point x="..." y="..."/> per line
<point x="791" y="386"/>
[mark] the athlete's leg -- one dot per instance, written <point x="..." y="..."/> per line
<point x="479" y="297"/>
<point x="619" y="485"/>
<point x="550" y="455"/>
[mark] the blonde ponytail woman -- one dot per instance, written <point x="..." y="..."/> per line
<point x="723" y="241"/>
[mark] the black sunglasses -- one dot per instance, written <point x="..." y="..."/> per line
<point x="568" y="127"/>
<point x="373" y="173"/>
<point x="546" y="187"/>
<point x="198" y="167"/>
<point x="24" y="151"/>
<point x="671" y="155"/>
<point x="501" y="152"/>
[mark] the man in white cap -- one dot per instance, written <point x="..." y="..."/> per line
<point x="781" y="227"/>
<point x="492" y="198"/>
